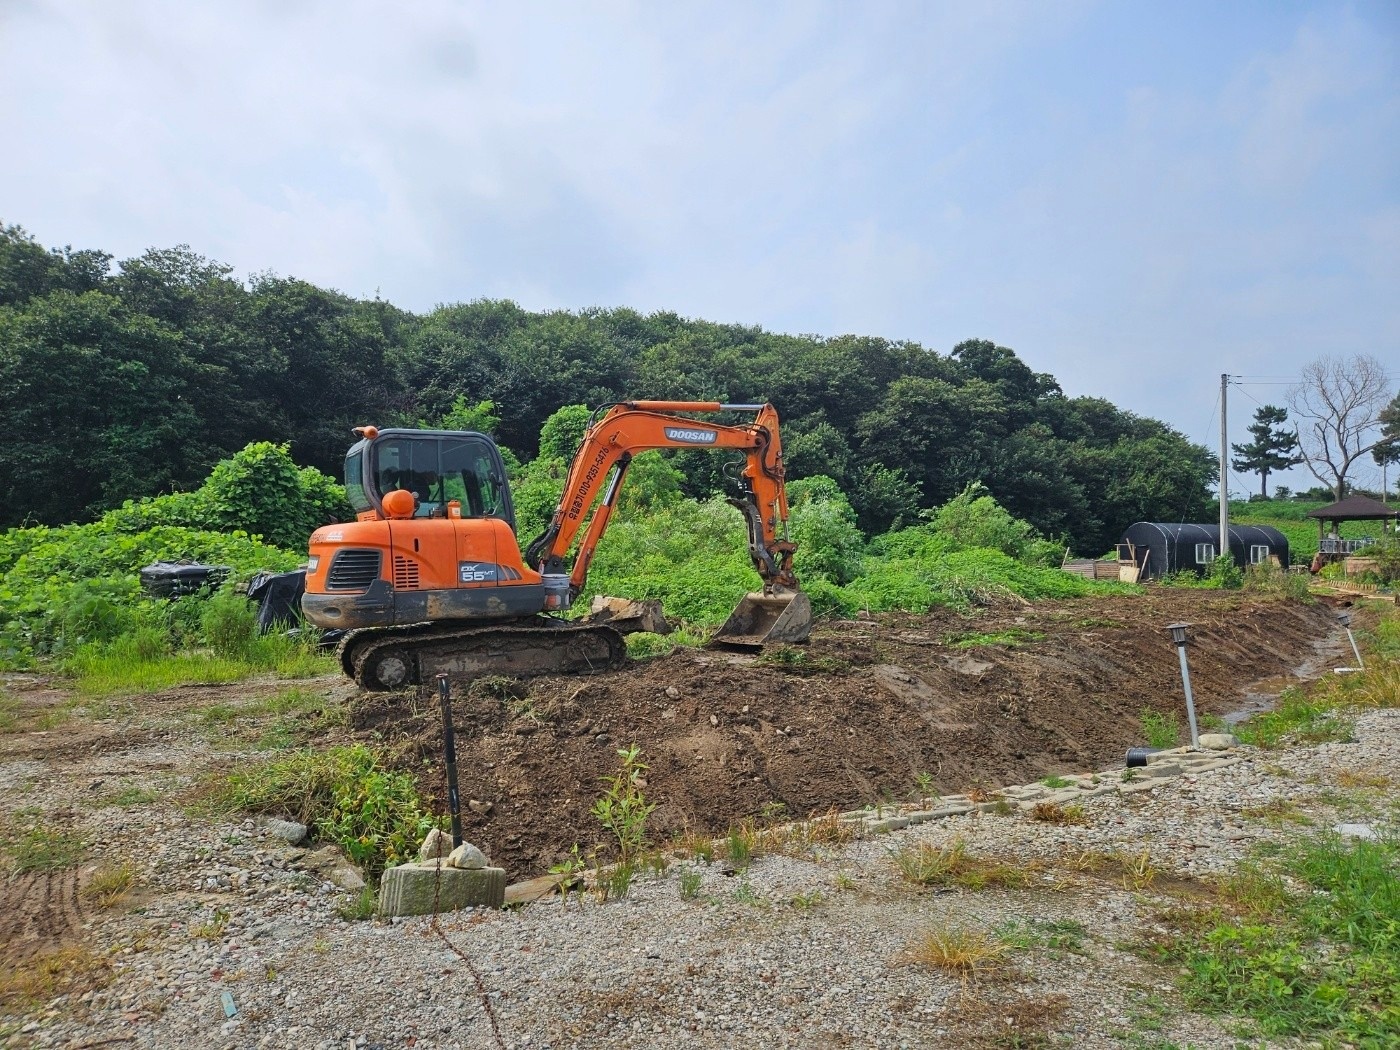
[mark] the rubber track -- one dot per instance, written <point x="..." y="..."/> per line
<point x="355" y="649"/>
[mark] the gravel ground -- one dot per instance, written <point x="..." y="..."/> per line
<point x="792" y="951"/>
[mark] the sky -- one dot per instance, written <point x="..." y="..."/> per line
<point x="1134" y="196"/>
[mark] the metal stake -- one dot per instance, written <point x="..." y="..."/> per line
<point x="1345" y="619"/>
<point x="449" y="741"/>
<point x="1352" y="638"/>
<point x="1178" y="631"/>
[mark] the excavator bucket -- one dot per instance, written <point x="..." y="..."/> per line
<point x="762" y="618"/>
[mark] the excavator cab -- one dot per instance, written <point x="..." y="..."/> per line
<point x="439" y="468"/>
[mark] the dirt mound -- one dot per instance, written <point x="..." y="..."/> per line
<point x="867" y="711"/>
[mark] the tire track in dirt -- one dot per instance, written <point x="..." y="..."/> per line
<point x="38" y="911"/>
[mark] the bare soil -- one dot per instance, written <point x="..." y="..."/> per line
<point x="869" y="711"/>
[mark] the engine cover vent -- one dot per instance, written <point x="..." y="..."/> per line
<point x="353" y="570"/>
<point x="405" y="573"/>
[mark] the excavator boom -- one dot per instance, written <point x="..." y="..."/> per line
<point x="780" y="612"/>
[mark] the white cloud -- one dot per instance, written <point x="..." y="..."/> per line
<point x="1132" y="208"/>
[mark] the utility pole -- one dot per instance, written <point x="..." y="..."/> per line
<point x="1224" y="474"/>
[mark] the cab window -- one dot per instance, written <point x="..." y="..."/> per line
<point x="355" y="482"/>
<point x="440" y="469"/>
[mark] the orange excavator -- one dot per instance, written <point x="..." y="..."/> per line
<point x="430" y="578"/>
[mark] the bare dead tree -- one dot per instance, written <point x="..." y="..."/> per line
<point x="1338" y="405"/>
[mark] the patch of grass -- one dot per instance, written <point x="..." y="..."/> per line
<point x="806" y="901"/>
<point x="347" y="795"/>
<point x="39" y="848"/>
<point x="690" y="884"/>
<point x="799" y="839"/>
<point x="1056" y="935"/>
<point x="964" y="951"/>
<point x="1299" y="718"/>
<point x="1323" y="962"/>
<point x="694" y="845"/>
<point x="744" y="894"/>
<point x="741" y="844"/>
<point x="1136" y="872"/>
<point x="1012" y="637"/>
<point x="109" y="884"/>
<point x="929" y="865"/>
<point x="1057" y="813"/>
<point x="1055" y="782"/>
<point x="291" y="700"/>
<point x="124" y="667"/>
<point x="1159" y="729"/>
<point x="361" y="907"/>
<point x="1277" y="812"/>
<point x="798" y="660"/>
<point x="38" y="979"/>
<point x="218" y="715"/>
<point x="133" y="796"/>
<point x="212" y="930"/>
<point x="642" y="645"/>
<point x="1363" y="778"/>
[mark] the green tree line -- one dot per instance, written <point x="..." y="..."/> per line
<point x="120" y="380"/>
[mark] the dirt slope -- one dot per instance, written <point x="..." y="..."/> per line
<point x="855" y="717"/>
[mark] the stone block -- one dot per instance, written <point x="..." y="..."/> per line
<point x="289" y="831"/>
<point x="1201" y="765"/>
<point x="1168" y="755"/>
<point x="1165" y="769"/>
<point x="1218" y="741"/>
<point x="886" y="824"/>
<point x="412" y="889"/>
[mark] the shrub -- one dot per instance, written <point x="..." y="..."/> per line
<point x="261" y="491"/>
<point x="76" y="584"/>
<point x="974" y="519"/>
<point x="823" y="526"/>
<point x="345" y="794"/>
<point x="258" y="490"/>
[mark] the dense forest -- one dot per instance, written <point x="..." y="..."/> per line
<point x="121" y="380"/>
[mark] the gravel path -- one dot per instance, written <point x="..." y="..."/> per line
<point x="792" y="951"/>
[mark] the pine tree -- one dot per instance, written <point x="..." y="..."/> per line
<point x="1273" y="448"/>
<point x="1387" y="450"/>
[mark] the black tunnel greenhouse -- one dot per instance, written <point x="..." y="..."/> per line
<point x="1159" y="547"/>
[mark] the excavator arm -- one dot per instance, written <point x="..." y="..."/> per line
<point x="636" y="426"/>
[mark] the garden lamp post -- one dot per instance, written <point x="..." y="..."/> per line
<point x="1178" y="632"/>
<point x="1344" y="618"/>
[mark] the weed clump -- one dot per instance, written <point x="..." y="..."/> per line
<point x="963" y="951"/>
<point x="1160" y="730"/>
<point x="929" y="865"/>
<point x="345" y="795"/>
<point x="1322" y="961"/>
<point x="1056" y="813"/>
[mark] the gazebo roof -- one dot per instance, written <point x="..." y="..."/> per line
<point x="1355" y="508"/>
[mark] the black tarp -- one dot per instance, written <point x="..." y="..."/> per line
<point x="173" y="579"/>
<point x="278" y="595"/>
